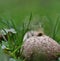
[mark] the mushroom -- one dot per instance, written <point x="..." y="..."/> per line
<point x="40" y="48"/>
<point x="33" y="33"/>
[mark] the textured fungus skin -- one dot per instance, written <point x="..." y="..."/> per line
<point x="40" y="48"/>
<point x="32" y="33"/>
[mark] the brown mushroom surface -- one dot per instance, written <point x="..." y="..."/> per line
<point x="40" y="48"/>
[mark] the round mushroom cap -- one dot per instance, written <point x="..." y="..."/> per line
<point x="40" y="48"/>
<point x="32" y="33"/>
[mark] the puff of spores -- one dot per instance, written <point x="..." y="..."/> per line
<point x="40" y="48"/>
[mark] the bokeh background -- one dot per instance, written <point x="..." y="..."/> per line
<point x="19" y="9"/>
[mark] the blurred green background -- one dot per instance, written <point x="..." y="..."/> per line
<point x="19" y="9"/>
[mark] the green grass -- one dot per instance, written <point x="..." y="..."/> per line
<point x="14" y="13"/>
<point x="15" y="41"/>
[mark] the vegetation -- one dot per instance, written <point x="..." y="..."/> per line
<point x="14" y="42"/>
<point x="13" y="15"/>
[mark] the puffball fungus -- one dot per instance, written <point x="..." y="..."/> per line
<point x="33" y="33"/>
<point x="40" y="48"/>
